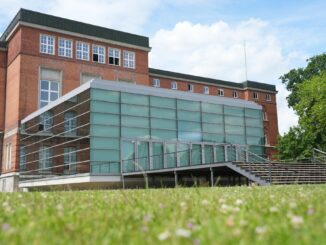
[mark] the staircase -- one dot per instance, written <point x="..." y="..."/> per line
<point x="278" y="173"/>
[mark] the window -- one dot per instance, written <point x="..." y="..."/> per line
<point x="268" y="97"/>
<point x="49" y="86"/>
<point x="235" y="94"/>
<point x="70" y="159"/>
<point x="99" y="54"/>
<point x="8" y="156"/>
<point x="70" y="123"/>
<point x="47" y="44"/>
<point x="22" y="158"/>
<point x="255" y="95"/>
<point x="206" y="90"/>
<point x="174" y="85"/>
<point x="85" y="77"/>
<point x="266" y="140"/>
<point x="220" y="92"/>
<point x="45" y="159"/>
<point x="82" y="51"/>
<point x="190" y="87"/>
<point x="65" y="48"/>
<point x="46" y="121"/>
<point x="129" y="59"/>
<point x="114" y="56"/>
<point x="265" y="118"/>
<point x="156" y="82"/>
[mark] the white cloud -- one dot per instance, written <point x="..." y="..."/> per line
<point x="217" y="51"/>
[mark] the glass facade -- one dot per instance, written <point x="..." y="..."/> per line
<point x="146" y="132"/>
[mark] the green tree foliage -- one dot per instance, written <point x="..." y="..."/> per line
<point x="311" y="109"/>
<point x="294" y="77"/>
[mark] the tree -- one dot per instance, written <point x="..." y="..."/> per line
<point x="310" y="106"/>
<point x="294" y="77"/>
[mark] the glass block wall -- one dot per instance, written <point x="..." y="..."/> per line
<point x="128" y="126"/>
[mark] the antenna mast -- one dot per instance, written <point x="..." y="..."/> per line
<point x="245" y="59"/>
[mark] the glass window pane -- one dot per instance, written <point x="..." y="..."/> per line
<point x="212" y="118"/>
<point x="229" y="129"/>
<point x="255" y="140"/>
<point x="184" y="153"/>
<point x="213" y="128"/>
<point x="235" y="139"/>
<point x="164" y="134"/>
<point x="143" y="156"/>
<point x="189" y="116"/>
<point x="220" y="154"/>
<point x="209" y="154"/>
<point x="254" y="122"/>
<point x="105" y="107"/>
<point x="190" y="136"/>
<point x="44" y="85"/>
<point x="134" y="110"/>
<point x="163" y="102"/>
<point x="53" y="96"/>
<point x="142" y="122"/>
<point x="237" y="111"/>
<point x="189" y="126"/>
<point x="128" y="156"/>
<point x="163" y="124"/>
<point x="188" y="105"/>
<point x="157" y="155"/>
<point x="218" y="138"/>
<point x="105" y="131"/>
<point x="44" y="96"/>
<point x="105" y="143"/>
<point x="234" y="120"/>
<point x="163" y="113"/>
<point x="105" y="95"/>
<point x="171" y="157"/>
<point x="134" y="99"/>
<point x="254" y="131"/>
<point x="212" y="108"/>
<point x="54" y="86"/>
<point x="105" y="119"/>
<point x="196" y="158"/>
<point x="253" y="113"/>
<point x="135" y="133"/>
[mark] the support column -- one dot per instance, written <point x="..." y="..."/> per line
<point x="212" y="177"/>
<point x="175" y="179"/>
<point x="123" y="181"/>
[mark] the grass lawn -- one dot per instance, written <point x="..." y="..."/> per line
<point x="245" y="215"/>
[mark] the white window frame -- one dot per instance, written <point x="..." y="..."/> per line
<point x="100" y="55"/>
<point x="174" y="85"/>
<point x="82" y="53"/>
<point x="46" y="47"/>
<point x="268" y="97"/>
<point x="70" y="124"/>
<point x="49" y="91"/>
<point x="206" y="90"/>
<point x="220" y="92"/>
<point x="235" y="94"/>
<point x="65" y="49"/>
<point x="129" y="59"/>
<point x="266" y="139"/>
<point x="70" y="159"/>
<point x="116" y="54"/>
<point x="22" y="157"/>
<point x="156" y="83"/>
<point x="255" y="95"/>
<point x="45" y="158"/>
<point x="46" y="119"/>
<point x="190" y="88"/>
<point x="265" y="117"/>
<point x="8" y="155"/>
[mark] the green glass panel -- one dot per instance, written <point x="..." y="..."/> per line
<point x="253" y="113"/>
<point x="95" y="168"/>
<point x="163" y="102"/>
<point x="135" y="133"/>
<point x="234" y="120"/>
<point x="105" y="119"/>
<point x="128" y="156"/>
<point x="157" y="156"/>
<point x="237" y="111"/>
<point x="254" y="122"/>
<point x="142" y="122"/>
<point x="255" y="140"/>
<point x="213" y="128"/>
<point x="212" y="108"/>
<point x="164" y="134"/>
<point x="163" y="124"/>
<point x="105" y="143"/>
<point x="188" y="105"/>
<point x="184" y="153"/>
<point x="163" y="113"/>
<point x="220" y="153"/>
<point x="134" y="110"/>
<point x="189" y="126"/>
<point x="254" y="131"/>
<point x="209" y="154"/>
<point x="235" y="139"/>
<point x="189" y="116"/>
<point x="259" y="150"/>
<point x="231" y="154"/>
<point x="115" y="167"/>
<point x="218" y="138"/>
<point x="105" y="155"/>
<point x="212" y="118"/>
<point x="196" y="157"/>
<point x="105" y="95"/>
<point x="229" y="129"/>
<point x="105" y="131"/>
<point x="171" y="159"/>
<point x="190" y="136"/>
<point x="105" y="107"/>
<point x="134" y="99"/>
<point x="143" y="156"/>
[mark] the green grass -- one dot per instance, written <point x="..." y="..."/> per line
<point x="245" y="215"/>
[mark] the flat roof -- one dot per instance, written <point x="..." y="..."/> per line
<point x="243" y="85"/>
<point x="51" y="21"/>
<point x="145" y="90"/>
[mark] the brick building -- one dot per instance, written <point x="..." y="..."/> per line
<point x="43" y="58"/>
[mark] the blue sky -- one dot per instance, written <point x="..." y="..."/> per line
<point x="206" y="37"/>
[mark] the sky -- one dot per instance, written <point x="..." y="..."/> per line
<point x="206" y="37"/>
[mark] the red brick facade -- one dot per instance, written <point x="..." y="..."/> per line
<point x="20" y="66"/>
